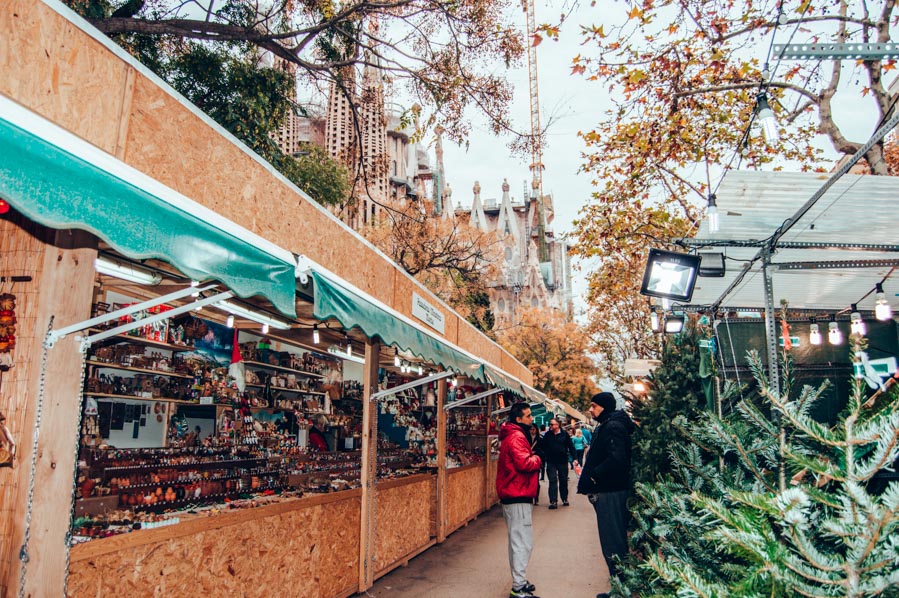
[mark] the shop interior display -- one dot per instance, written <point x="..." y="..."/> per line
<point x="466" y="432"/>
<point x="407" y="429"/>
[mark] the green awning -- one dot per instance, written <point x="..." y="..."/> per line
<point x="354" y="310"/>
<point x="498" y="378"/>
<point x="60" y="181"/>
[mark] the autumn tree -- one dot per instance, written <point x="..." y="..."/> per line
<point x="686" y="78"/>
<point x="451" y="258"/>
<point x="557" y="353"/>
<point x="444" y="54"/>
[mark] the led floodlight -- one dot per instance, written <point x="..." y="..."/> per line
<point x="670" y="275"/>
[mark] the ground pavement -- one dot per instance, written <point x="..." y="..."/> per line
<point x="474" y="561"/>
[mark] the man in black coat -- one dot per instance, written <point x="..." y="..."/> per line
<point x="555" y="446"/>
<point x="606" y="478"/>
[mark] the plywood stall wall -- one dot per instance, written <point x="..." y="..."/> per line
<point x="308" y="548"/>
<point x="21" y="254"/>
<point x="402" y="520"/>
<point x="465" y="495"/>
<point x="84" y="87"/>
<point x="492" y="497"/>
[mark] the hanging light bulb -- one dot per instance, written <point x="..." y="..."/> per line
<point x="455" y="382"/>
<point x="857" y="325"/>
<point x="654" y="319"/>
<point x="195" y="284"/>
<point x="766" y="118"/>
<point x="814" y="335"/>
<point x="230" y="322"/>
<point x="265" y="329"/>
<point x="396" y="357"/>
<point x="316" y="339"/>
<point x="882" y="309"/>
<point x="712" y="214"/>
<point x="834" y="334"/>
<point x="421" y="370"/>
<point x="349" y="346"/>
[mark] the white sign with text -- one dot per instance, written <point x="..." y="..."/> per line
<point x="427" y="313"/>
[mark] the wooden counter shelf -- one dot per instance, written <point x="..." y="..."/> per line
<point x="103" y="395"/>
<point x="403" y="481"/>
<point x="296" y="390"/>
<point x="115" y="366"/>
<point x="461" y="468"/>
<point x="280" y="368"/>
<point x="193" y="524"/>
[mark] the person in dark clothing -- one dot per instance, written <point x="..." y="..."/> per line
<point x="543" y="464"/>
<point x="556" y="446"/>
<point x="606" y="478"/>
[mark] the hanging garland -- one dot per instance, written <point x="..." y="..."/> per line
<point x="7" y="322"/>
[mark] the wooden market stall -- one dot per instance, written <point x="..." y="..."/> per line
<point x="70" y="81"/>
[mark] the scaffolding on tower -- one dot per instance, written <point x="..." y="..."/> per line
<point x="536" y="133"/>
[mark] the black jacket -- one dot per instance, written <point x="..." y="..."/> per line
<point x="555" y="448"/>
<point x="609" y="459"/>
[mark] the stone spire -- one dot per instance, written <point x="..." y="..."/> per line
<point x="478" y="218"/>
<point x="449" y="210"/>
<point x="507" y="223"/>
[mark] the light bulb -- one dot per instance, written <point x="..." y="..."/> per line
<point x="230" y="322"/>
<point x="349" y="348"/>
<point x="882" y="309"/>
<point x="834" y="334"/>
<point x="767" y="119"/>
<point x="654" y="319"/>
<point x="315" y="337"/>
<point x="639" y="386"/>
<point x="421" y="370"/>
<point x="814" y="335"/>
<point x="396" y="358"/>
<point x="857" y="325"/>
<point x="265" y="329"/>
<point x="195" y="283"/>
<point x="454" y="382"/>
<point x="712" y="214"/>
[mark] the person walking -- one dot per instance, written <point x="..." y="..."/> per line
<point x="580" y="443"/>
<point x="556" y="447"/>
<point x="516" y="486"/>
<point x="606" y="478"/>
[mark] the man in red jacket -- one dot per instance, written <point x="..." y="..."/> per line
<point x="516" y="485"/>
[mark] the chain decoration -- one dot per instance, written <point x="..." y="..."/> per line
<point x="23" y="553"/>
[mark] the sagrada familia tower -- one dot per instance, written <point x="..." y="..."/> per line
<point x="390" y="168"/>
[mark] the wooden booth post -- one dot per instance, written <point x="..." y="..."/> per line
<point x="61" y="264"/>
<point x="369" y="471"/>
<point x="441" y="461"/>
<point x="487" y="462"/>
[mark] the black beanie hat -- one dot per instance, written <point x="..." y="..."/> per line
<point x="606" y="400"/>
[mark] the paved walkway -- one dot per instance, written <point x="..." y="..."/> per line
<point x="474" y="561"/>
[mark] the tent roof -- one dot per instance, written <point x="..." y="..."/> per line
<point x="752" y="205"/>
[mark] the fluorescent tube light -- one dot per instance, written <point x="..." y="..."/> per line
<point x="249" y="314"/>
<point x="126" y="272"/>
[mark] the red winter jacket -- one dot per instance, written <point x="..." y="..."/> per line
<point x="516" y="473"/>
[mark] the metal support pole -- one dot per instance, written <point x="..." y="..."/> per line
<point x="771" y="331"/>
<point x="441" y="461"/>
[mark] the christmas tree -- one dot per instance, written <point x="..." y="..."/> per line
<point x="675" y="389"/>
<point x="766" y="501"/>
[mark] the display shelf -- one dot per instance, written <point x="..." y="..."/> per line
<point x="107" y="469"/>
<point x="103" y="395"/>
<point x="115" y="366"/>
<point x="279" y="368"/>
<point x="296" y="390"/>
<point x="139" y="340"/>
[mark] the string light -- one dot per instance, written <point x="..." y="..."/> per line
<point x="349" y="345"/>
<point x="814" y="334"/>
<point x="230" y="322"/>
<point x="712" y="213"/>
<point x="265" y="329"/>
<point x="766" y="118"/>
<point x="316" y="339"/>
<point x="857" y="325"/>
<point x="421" y="370"/>
<point x="834" y="334"/>
<point x="882" y="309"/>
<point x="396" y="358"/>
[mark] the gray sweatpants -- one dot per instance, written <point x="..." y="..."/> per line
<point x="521" y="540"/>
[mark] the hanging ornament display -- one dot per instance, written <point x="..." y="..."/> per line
<point x="7" y="322"/>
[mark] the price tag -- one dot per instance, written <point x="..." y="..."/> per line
<point x="205" y="400"/>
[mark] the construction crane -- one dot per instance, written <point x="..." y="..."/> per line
<point x="536" y="136"/>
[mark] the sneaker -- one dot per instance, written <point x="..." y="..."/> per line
<point x="565" y="503"/>
<point x="522" y="593"/>
<point x="553" y="505"/>
<point x="529" y="587"/>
